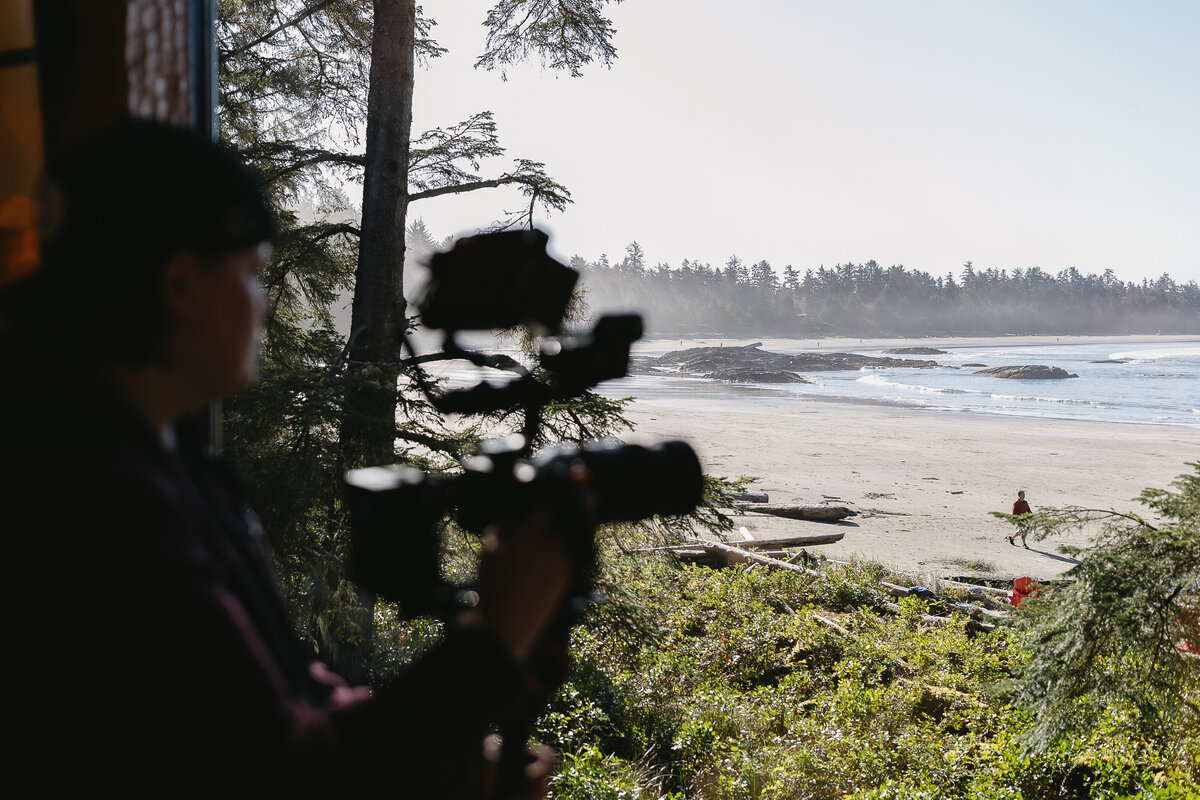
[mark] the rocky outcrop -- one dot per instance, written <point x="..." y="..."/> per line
<point x="916" y="351"/>
<point x="756" y="376"/>
<point x="1028" y="372"/>
<point x="759" y="366"/>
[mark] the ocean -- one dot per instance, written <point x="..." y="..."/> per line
<point x="1130" y="382"/>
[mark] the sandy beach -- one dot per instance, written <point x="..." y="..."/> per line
<point x="922" y="483"/>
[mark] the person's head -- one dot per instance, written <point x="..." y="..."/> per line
<point x="1021" y="494"/>
<point x="151" y="241"/>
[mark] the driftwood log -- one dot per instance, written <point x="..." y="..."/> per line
<point x="975" y="587"/>
<point x="973" y="611"/>
<point x="930" y="619"/>
<point x="814" y="513"/>
<point x="779" y="542"/>
<point x="978" y="618"/>
<point x="774" y="546"/>
<point x="737" y="555"/>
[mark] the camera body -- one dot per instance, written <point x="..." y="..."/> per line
<point x="397" y="509"/>
<point x="496" y="281"/>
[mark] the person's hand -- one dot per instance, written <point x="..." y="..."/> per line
<point x="523" y="572"/>
<point x="525" y="569"/>
<point x="341" y="693"/>
<point x="542" y="761"/>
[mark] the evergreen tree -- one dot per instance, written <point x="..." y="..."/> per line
<point x="736" y="273"/>
<point x="791" y="279"/>
<point x="763" y="276"/>
<point x="316" y="93"/>
<point x="1120" y="639"/>
<point x="634" y="263"/>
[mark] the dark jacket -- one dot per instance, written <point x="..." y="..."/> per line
<point x="147" y="650"/>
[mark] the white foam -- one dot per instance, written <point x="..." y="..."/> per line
<point x="1158" y="354"/>
<point x="1028" y="398"/>
<point x="879" y="380"/>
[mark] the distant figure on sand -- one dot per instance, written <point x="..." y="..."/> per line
<point x="1020" y="509"/>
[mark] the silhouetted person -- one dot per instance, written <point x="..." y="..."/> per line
<point x="147" y="651"/>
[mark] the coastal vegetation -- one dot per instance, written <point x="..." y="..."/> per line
<point x="762" y="683"/>
<point x="695" y="298"/>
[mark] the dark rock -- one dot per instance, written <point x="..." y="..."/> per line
<point x="1028" y="372"/>
<point x="756" y="376"/>
<point x="916" y="351"/>
<point x="760" y="366"/>
<point x="973" y="364"/>
<point x="1111" y="361"/>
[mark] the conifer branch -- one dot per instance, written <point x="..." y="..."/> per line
<point x="296" y="20"/>
<point x="465" y="187"/>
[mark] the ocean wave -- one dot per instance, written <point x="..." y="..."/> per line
<point x="878" y="380"/>
<point x="1066" y="401"/>
<point x="903" y="401"/>
<point x="1172" y="353"/>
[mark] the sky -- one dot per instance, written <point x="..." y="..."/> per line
<point x="1012" y="134"/>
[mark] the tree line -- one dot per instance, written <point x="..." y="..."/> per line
<point x="696" y="298"/>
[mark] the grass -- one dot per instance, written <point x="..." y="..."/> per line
<point x="973" y="564"/>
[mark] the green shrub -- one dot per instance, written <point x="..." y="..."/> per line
<point x="723" y="685"/>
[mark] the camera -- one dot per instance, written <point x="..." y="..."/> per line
<point x="505" y="280"/>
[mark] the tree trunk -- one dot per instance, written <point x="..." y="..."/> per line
<point x="378" y="314"/>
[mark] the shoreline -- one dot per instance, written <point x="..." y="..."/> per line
<point x="767" y="394"/>
<point x="1074" y="407"/>
<point x="840" y="343"/>
<point x="922" y="482"/>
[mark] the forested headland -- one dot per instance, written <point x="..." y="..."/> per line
<point x="737" y="298"/>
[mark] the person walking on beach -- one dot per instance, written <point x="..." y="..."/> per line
<point x="1020" y="509"/>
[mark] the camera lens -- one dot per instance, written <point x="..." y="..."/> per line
<point x="632" y="482"/>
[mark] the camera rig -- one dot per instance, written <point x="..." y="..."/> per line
<point x="501" y="281"/>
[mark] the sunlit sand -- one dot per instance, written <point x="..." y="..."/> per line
<point x="922" y="482"/>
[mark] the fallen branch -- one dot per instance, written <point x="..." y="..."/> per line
<point x="930" y="619"/>
<point x="831" y="624"/>
<point x="899" y="662"/>
<point x="974" y="611"/>
<point x="736" y="555"/>
<point x="988" y="589"/>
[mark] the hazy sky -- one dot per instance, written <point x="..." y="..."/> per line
<point x="925" y="133"/>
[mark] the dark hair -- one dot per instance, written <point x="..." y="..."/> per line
<point x="115" y="208"/>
